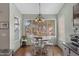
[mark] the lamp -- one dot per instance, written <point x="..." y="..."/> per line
<point x="39" y="18"/>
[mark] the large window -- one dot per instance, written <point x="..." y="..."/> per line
<point x="45" y="28"/>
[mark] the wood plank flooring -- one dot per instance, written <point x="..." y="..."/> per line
<point x="26" y="51"/>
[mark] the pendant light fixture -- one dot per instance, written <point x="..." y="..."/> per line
<point x="39" y="18"/>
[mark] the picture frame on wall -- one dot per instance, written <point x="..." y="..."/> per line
<point x="16" y="21"/>
<point x="4" y="25"/>
<point x="76" y="15"/>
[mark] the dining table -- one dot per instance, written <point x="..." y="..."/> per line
<point x="41" y="48"/>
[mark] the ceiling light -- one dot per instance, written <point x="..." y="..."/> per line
<point x="39" y="18"/>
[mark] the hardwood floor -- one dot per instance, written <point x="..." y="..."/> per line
<point x="26" y="51"/>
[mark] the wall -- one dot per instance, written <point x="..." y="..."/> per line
<point x="65" y="17"/>
<point x="14" y="12"/>
<point x="46" y="17"/>
<point x="4" y="33"/>
<point x="33" y="16"/>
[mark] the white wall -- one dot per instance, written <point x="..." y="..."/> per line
<point x="66" y="16"/>
<point x="14" y="12"/>
<point x="53" y="39"/>
<point x="33" y="16"/>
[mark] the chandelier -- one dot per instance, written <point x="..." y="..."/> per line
<point x="39" y="18"/>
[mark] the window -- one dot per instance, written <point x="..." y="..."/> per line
<point x="46" y="28"/>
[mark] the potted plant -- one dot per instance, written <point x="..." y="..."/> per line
<point x="23" y="37"/>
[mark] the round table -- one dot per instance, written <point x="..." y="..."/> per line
<point x="40" y="49"/>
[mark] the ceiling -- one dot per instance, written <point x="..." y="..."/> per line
<point x="45" y="8"/>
